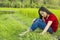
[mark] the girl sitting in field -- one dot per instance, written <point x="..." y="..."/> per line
<point x="47" y="21"/>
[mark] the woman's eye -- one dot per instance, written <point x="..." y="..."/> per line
<point x="42" y="13"/>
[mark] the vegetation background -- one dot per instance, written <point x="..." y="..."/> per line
<point x="16" y="17"/>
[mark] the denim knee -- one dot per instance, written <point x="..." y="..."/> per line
<point x="38" y="20"/>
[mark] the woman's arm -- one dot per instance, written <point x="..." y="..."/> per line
<point x="47" y="27"/>
<point x="43" y="19"/>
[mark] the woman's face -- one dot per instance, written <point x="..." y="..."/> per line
<point x="44" y="14"/>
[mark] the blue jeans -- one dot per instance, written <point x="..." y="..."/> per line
<point x="38" y="23"/>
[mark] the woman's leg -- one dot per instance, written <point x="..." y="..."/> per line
<point x="39" y="23"/>
<point x="34" y="25"/>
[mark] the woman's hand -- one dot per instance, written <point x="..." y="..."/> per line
<point x="33" y="20"/>
<point x="42" y="33"/>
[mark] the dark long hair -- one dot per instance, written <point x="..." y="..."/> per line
<point x="44" y="10"/>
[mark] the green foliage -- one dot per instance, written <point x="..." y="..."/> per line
<point x="11" y="25"/>
<point x="29" y="3"/>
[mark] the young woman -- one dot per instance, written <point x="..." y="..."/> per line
<point x="47" y="21"/>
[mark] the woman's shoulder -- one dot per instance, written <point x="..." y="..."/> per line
<point x="53" y="15"/>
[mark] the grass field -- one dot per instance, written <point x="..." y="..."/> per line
<point x="12" y="24"/>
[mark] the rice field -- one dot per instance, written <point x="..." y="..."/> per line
<point x="12" y="24"/>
